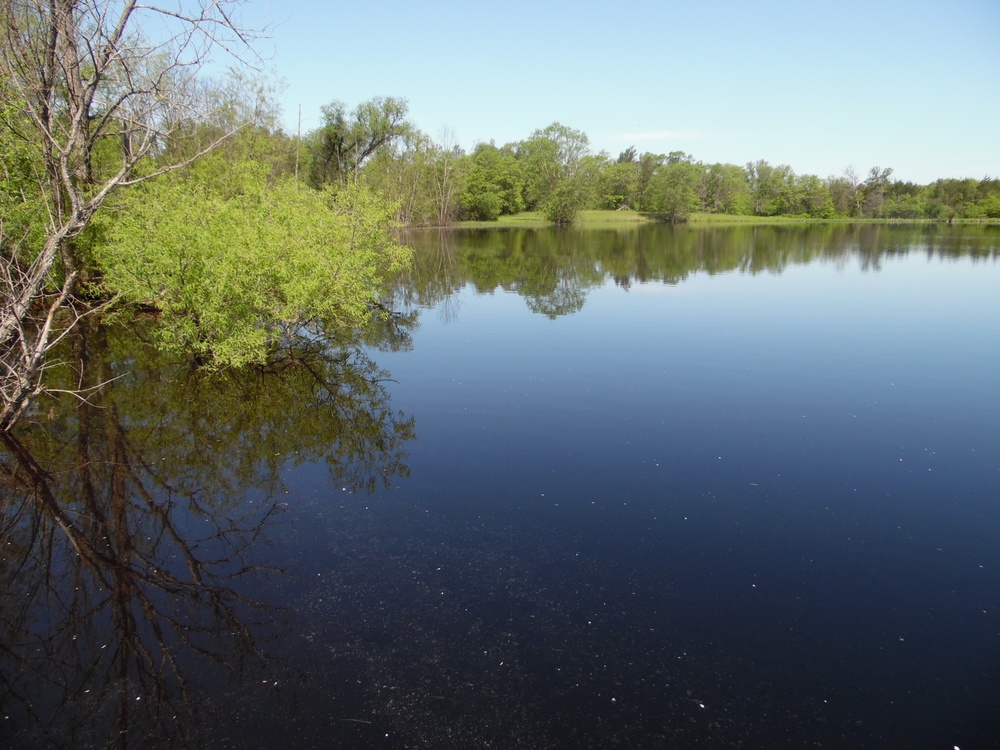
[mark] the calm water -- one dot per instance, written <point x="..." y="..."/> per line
<point x="646" y="489"/>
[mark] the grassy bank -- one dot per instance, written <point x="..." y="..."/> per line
<point x="623" y="219"/>
<point x="586" y="220"/>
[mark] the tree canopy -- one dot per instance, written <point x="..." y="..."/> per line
<point x="236" y="263"/>
<point x="346" y="140"/>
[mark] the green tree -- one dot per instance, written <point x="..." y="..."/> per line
<point x="449" y="169"/>
<point x="565" y="200"/>
<point x="237" y="264"/>
<point x="649" y="163"/>
<point x="725" y="189"/>
<point x="814" y="197"/>
<point x="423" y="178"/>
<point x="989" y="207"/>
<point x="494" y="184"/>
<point x="548" y="156"/>
<point x="854" y="192"/>
<point x="772" y="189"/>
<point x="346" y="140"/>
<point x="589" y="174"/>
<point x="22" y="206"/>
<point x="673" y="192"/>
<point x="618" y="185"/>
<point x="904" y="201"/>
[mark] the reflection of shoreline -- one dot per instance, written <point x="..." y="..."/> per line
<point x="553" y="269"/>
<point x="131" y="528"/>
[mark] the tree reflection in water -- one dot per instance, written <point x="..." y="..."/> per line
<point x="130" y="527"/>
<point x="554" y="269"/>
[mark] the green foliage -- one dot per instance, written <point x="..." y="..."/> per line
<point x="989" y="207"/>
<point x="904" y="206"/>
<point x="244" y="123"/>
<point x="724" y="189"/>
<point x="648" y="164"/>
<point x="841" y="192"/>
<point x="494" y="184"/>
<point x="345" y="141"/>
<point x="588" y="175"/>
<point x="236" y="263"/>
<point x="529" y="175"/>
<point x="89" y="106"/>
<point x="565" y="201"/>
<point x="673" y="193"/>
<point x="538" y="157"/>
<point x="423" y="178"/>
<point x="548" y="156"/>
<point x="482" y="205"/>
<point x="618" y="183"/>
<point x="628" y="156"/>
<point x="772" y="189"/>
<point x="23" y="216"/>
<point x="405" y="175"/>
<point x="951" y="198"/>
<point x="874" y="191"/>
<point x="812" y="197"/>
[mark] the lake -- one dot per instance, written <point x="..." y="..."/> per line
<point x="647" y="488"/>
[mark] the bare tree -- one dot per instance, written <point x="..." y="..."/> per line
<point x="445" y="176"/>
<point x="855" y="190"/>
<point x="114" y="77"/>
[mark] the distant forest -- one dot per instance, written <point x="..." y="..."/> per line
<point x="553" y="170"/>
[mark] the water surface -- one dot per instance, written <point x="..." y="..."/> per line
<point x="643" y="489"/>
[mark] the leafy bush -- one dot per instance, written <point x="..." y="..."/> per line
<point x="235" y="263"/>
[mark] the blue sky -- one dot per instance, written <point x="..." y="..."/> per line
<point x="819" y="86"/>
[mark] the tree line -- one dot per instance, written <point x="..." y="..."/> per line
<point x="554" y="171"/>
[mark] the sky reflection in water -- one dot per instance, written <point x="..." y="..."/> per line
<point x="774" y="496"/>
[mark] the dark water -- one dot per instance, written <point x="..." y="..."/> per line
<point x="648" y="489"/>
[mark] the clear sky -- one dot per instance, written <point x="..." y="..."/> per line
<point x="911" y="85"/>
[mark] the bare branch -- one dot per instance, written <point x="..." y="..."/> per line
<point x="81" y="73"/>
